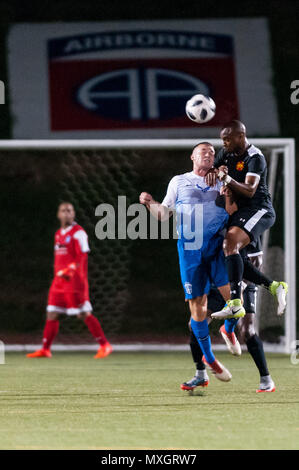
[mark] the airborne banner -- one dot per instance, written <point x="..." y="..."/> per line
<point x="132" y="79"/>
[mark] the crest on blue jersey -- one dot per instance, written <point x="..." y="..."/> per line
<point x="188" y="288"/>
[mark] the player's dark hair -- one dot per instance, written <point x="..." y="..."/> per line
<point x="202" y="143"/>
<point x="66" y="202"/>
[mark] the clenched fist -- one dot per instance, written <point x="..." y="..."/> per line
<point x="211" y="176"/>
<point x="222" y="172"/>
<point x="145" y="198"/>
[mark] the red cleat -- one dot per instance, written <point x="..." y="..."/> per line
<point x="194" y="383"/>
<point x="231" y="341"/>
<point x="218" y="369"/>
<point x="40" y="353"/>
<point x="103" y="351"/>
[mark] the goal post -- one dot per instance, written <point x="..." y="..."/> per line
<point x="281" y="163"/>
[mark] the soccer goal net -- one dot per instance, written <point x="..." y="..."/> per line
<point x="134" y="283"/>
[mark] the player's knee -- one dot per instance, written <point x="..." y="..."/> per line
<point x="52" y="316"/>
<point x="81" y="316"/>
<point x="247" y="332"/>
<point x="198" y="308"/>
<point x="230" y="245"/>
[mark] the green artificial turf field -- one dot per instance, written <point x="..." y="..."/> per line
<point x="133" y="401"/>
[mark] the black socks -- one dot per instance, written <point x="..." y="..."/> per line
<point x="256" y="349"/>
<point x="235" y="268"/>
<point x="251" y="273"/>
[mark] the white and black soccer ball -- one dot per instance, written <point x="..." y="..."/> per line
<point x="200" y="109"/>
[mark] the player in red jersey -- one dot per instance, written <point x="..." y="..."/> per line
<point x="69" y="291"/>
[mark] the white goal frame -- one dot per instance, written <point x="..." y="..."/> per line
<point x="284" y="146"/>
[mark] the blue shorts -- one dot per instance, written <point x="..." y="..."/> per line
<point x="201" y="268"/>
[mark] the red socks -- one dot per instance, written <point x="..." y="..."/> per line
<point x="93" y="324"/>
<point x="50" y="331"/>
<point x="95" y="329"/>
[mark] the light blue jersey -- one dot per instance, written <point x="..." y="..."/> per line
<point x="196" y="208"/>
<point x="200" y="219"/>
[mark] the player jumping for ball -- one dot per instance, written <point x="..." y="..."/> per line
<point x="242" y="167"/>
<point x="69" y="291"/>
<point x="198" y="202"/>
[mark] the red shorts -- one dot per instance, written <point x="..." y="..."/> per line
<point x="71" y="303"/>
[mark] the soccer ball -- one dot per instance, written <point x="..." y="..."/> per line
<point x="200" y="109"/>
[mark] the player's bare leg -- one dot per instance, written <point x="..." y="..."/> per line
<point x="256" y="350"/>
<point x="200" y="328"/>
<point x="50" y="331"/>
<point x="97" y="332"/>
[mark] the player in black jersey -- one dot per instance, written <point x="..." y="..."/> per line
<point x="253" y="251"/>
<point x="242" y="167"/>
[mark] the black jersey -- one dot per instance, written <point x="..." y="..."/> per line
<point x="252" y="162"/>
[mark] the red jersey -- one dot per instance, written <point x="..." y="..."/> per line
<point x="70" y="253"/>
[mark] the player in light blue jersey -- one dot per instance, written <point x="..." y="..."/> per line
<point x="201" y="217"/>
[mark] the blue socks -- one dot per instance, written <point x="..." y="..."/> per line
<point x="230" y="324"/>
<point x="202" y="334"/>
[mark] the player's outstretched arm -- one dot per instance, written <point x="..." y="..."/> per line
<point x="156" y="208"/>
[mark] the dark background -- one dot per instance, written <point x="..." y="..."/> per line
<point x="23" y="210"/>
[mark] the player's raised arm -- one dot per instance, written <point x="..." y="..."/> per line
<point x="246" y="189"/>
<point x="157" y="209"/>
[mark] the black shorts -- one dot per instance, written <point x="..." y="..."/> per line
<point x="253" y="221"/>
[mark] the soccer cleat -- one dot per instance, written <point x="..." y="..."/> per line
<point x="195" y="382"/>
<point x="218" y="370"/>
<point x="232" y="309"/>
<point x="279" y="290"/>
<point x="40" y="353"/>
<point x="232" y="342"/>
<point x="266" y="385"/>
<point x="103" y="351"/>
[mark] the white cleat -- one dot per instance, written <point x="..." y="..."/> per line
<point x="231" y="341"/>
<point x="266" y="385"/>
<point x="279" y="290"/>
<point x="218" y="369"/>
<point x="232" y="309"/>
<point x="281" y="293"/>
